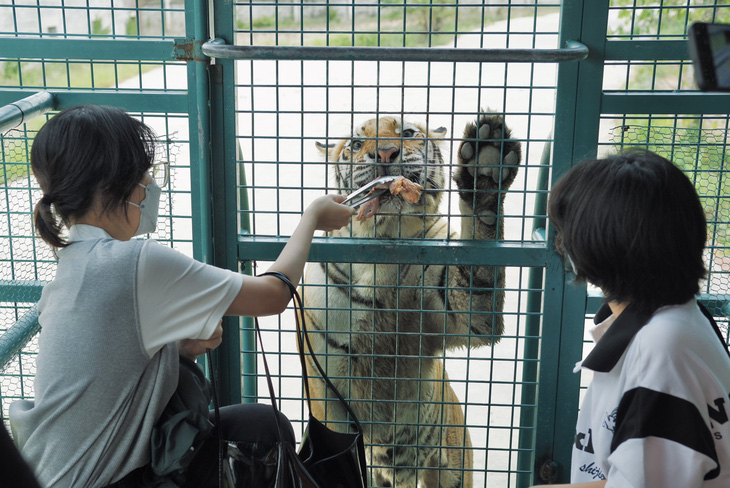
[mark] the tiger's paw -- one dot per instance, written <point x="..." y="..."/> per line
<point x="488" y="162"/>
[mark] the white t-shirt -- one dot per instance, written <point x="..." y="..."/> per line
<point x="169" y="285"/>
<point x="656" y="413"/>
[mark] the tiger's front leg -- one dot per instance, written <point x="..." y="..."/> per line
<point x="451" y="465"/>
<point x="488" y="160"/>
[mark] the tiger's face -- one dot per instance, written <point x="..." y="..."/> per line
<point x="391" y="147"/>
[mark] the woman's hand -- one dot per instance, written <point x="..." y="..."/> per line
<point x="192" y="348"/>
<point x="328" y="214"/>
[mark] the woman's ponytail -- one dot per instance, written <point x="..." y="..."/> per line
<point x="46" y="224"/>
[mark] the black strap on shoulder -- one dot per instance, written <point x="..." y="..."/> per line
<point x="715" y="327"/>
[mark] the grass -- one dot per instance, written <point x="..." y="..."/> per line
<point x="393" y="26"/>
<point x="68" y="74"/>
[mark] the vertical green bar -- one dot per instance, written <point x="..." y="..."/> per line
<point x="248" y="332"/>
<point x="208" y="167"/>
<point x="224" y="198"/>
<point x="531" y="350"/>
<point x="199" y="128"/>
<point x="585" y="143"/>
<point x="577" y="123"/>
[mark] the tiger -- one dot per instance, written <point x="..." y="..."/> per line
<point x="381" y="330"/>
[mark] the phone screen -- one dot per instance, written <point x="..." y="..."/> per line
<point x="710" y="49"/>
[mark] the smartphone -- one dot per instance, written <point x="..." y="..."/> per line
<point x="709" y="46"/>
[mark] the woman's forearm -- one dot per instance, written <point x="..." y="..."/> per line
<point x="294" y="256"/>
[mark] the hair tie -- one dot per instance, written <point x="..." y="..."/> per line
<point x="47" y="199"/>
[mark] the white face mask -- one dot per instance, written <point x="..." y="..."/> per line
<point x="149" y="208"/>
<point x="572" y="264"/>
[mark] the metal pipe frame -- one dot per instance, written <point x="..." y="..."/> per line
<point x="16" y="113"/>
<point x="574" y="51"/>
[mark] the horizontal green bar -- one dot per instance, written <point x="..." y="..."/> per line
<point x="402" y="251"/>
<point x="649" y="50"/>
<point x="148" y="101"/>
<point x="93" y="49"/>
<point x="594" y="301"/>
<point x="574" y="51"/>
<point x="695" y="103"/>
<point x="16" y="337"/>
<point x="23" y="291"/>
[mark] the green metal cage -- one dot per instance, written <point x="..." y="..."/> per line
<point x="240" y="93"/>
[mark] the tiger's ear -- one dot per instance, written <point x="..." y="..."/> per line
<point x="439" y="133"/>
<point x="324" y="148"/>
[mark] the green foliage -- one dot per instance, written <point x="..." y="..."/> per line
<point x="665" y="20"/>
<point x="98" y="29"/>
<point x="264" y="22"/>
<point x="131" y="27"/>
<point x="12" y="171"/>
<point x="48" y="74"/>
<point x="269" y="22"/>
<point x="10" y="73"/>
<point x="395" y="23"/>
<point x="434" y="18"/>
<point x="668" y="18"/>
<point x="373" y="40"/>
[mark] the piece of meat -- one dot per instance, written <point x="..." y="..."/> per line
<point x="402" y="186"/>
<point x="368" y="209"/>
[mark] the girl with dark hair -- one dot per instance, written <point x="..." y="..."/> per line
<point x="123" y="314"/>
<point x="656" y="412"/>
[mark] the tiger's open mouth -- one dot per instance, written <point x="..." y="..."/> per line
<point x="407" y="189"/>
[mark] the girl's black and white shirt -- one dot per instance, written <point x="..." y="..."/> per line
<point x="657" y="413"/>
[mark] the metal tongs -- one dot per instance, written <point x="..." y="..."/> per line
<point x="367" y="192"/>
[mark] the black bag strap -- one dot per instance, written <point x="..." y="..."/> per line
<point x="272" y="395"/>
<point x="302" y="338"/>
<point x="715" y="327"/>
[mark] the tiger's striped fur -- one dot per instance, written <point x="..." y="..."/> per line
<point x="382" y="329"/>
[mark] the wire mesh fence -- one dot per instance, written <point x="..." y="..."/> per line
<point x="302" y="124"/>
<point x="24" y="261"/>
<point x="407" y="304"/>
